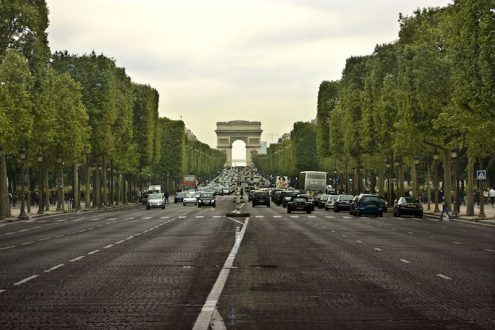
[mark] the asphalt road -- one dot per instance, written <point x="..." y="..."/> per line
<point x="154" y="269"/>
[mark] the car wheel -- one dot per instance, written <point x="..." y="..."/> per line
<point x="163" y="207"/>
<point x="184" y="204"/>
<point x="358" y="213"/>
<point x="147" y="207"/>
<point x="288" y="210"/>
<point x="380" y="214"/>
<point x="398" y="214"/>
<point x="336" y="210"/>
<point x="308" y="211"/>
<point x="420" y="216"/>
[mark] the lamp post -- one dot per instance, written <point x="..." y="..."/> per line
<point x="396" y="164"/>
<point x="22" y="214"/>
<point x="60" y="185"/>
<point x="389" y="193"/>
<point x="435" y="182"/>
<point x="416" y="185"/>
<point x="455" y="209"/>
<point x="3" y="195"/>
<point x="41" y="205"/>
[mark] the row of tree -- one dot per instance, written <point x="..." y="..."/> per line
<point x="430" y="93"/>
<point x="59" y="110"/>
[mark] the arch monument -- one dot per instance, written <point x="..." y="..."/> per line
<point x="231" y="131"/>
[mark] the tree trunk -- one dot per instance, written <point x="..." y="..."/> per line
<point x="447" y="183"/>
<point x="87" y="194"/>
<point x="4" y="189"/>
<point x="470" y="186"/>
<point x="28" y="193"/>
<point x="75" y="186"/>
<point x="401" y="180"/>
<point x="47" y="190"/>
<point x="104" y="182"/>
<point x="98" y="186"/>
<point x="435" y="185"/>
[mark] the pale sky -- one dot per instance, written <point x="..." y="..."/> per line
<point x="221" y="60"/>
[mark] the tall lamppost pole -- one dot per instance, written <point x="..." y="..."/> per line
<point x="22" y="214"/>
<point x="396" y="164"/>
<point x="3" y="198"/>
<point x="41" y="205"/>
<point x="389" y="193"/>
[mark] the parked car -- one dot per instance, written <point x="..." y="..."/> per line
<point x="261" y="197"/>
<point x="190" y="198"/>
<point x="179" y="196"/>
<point x="155" y="200"/>
<point x="343" y="202"/>
<point x="206" y="199"/>
<point x="330" y="201"/>
<point x="408" y="206"/>
<point x="299" y="203"/>
<point x="366" y="204"/>
<point x="320" y="202"/>
<point x="384" y="204"/>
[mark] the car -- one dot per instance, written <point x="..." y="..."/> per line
<point x="309" y="198"/>
<point x="179" y="196"/>
<point x="250" y="194"/>
<point x="343" y="202"/>
<point x="366" y="204"/>
<point x="330" y="201"/>
<point x="320" y="202"/>
<point x="261" y="197"/>
<point x="299" y="203"/>
<point x="155" y="200"/>
<point x="206" y="199"/>
<point x="190" y="198"/>
<point x="384" y="203"/>
<point x="408" y="206"/>
<point x="287" y="196"/>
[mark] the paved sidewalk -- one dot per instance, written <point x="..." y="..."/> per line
<point x="488" y="219"/>
<point x="33" y="214"/>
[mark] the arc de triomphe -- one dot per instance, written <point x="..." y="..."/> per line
<point x="231" y="131"/>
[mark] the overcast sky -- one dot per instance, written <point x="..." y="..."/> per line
<point x="220" y="60"/>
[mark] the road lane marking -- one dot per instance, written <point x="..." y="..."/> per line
<point x="311" y="216"/>
<point x="405" y="261"/>
<point x="54" y="267"/>
<point x="344" y="235"/>
<point x="259" y="216"/>
<point x="347" y="217"/>
<point x="77" y="259"/>
<point x="1" y="291"/>
<point x="59" y="236"/>
<point x="130" y="237"/>
<point x="164" y="217"/>
<point x="236" y="220"/>
<point x="27" y="279"/>
<point x="488" y="250"/>
<point x="277" y="216"/>
<point x="43" y="239"/>
<point x="27" y="243"/>
<point x="146" y="218"/>
<point x="443" y="276"/>
<point x="121" y="241"/>
<point x="329" y="217"/>
<point x="206" y="314"/>
<point x="93" y="252"/>
<point x="360" y="242"/>
<point x="199" y="216"/>
<point x="378" y="249"/>
<point x="294" y="216"/>
<point x="217" y="216"/>
<point x="108" y="246"/>
<point x="7" y="247"/>
<point x="112" y="219"/>
<point x="410" y="233"/>
<point x="458" y="243"/>
<point x="182" y="217"/>
<point x="23" y="230"/>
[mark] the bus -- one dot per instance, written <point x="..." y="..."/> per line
<point x="313" y="181"/>
<point x="189" y="182"/>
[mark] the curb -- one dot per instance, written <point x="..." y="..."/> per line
<point x="478" y="223"/>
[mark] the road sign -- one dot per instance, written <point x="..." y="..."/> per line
<point x="481" y="175"/>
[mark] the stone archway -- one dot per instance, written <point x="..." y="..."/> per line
<point x="231" y="131"/>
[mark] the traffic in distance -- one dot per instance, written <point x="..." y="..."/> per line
<point x="312" y="191"/>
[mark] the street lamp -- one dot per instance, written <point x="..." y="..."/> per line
<point x="2" y="198"/>
<point x="41" y="205"/>
<point x="389" y="193"/>
<point x="22" y="214"/>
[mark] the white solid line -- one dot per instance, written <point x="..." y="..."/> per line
<point x="27" y="243"/>
<point x="458" y="243"/>
<point x="76" y="259"/>
<point x="443" y="276"/>
<point x="108" y="246"/>
<point x="405" y="261"/>
<point x="26" y="280"/>
<point x="204" y="318"/>
<point x="130" y="237"/>
<point x="121" y="241"/>
<point x="378" y="249"/>
<point x="93" y="252"/>
<point x="7" y="247"/>
<point x="53" y="268"/>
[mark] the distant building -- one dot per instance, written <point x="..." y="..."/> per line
<point x="190" y="135"/>
<point x="264" y="147"/>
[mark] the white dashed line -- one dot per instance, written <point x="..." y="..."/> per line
<point x="410" y="232"/>
<point x="146" y="218"/>
<point x="311" y="216"/>
<point x="112" y="219"/>
<point x="360" y="242"/>
<point x="217" y="216"/>
<point x="344" y="235"/>
<point x="77" y="220"/>
<point x="77" y="259"/>
<point x="488" y="250"/>
<point x="7" y="247"/>
<point x="346" y="217"/>
<point x="59" y="236"/>
<point x="82" y="231"/>
<point x="182" y="217"/>
<point x="53" y="268"/>
<point x="443" y="276"/>
<point x="93" y="252"/>
<point x="277" y="216"/>
<point x="458" y="243"/>
<point x="43" y="239"/>
<point x="259" y="216"/>
<point x="378" y="249"/>
<point x="329" y="217"/>
<point x="21" y="231"/>
<point x="27" y="243"/>
<point x="1" y="290"/>
<point x="91" y="228"/>
<point x="405" y="261"/>
<point x="164" y="217"/>
<point x="333" y="231"/>
<point x="294" y="216"/>
<point x="108" y="246"/>
<point x="138" y="234"/>
<point x="26" y="280"/>
<point x="199" y="216"/>
<point x="10" y="233"/>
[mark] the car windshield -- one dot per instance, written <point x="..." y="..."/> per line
<point x="206" y="195"/>
<point x="261" y="194"/>
<point x="410" y="200"/>
<point x="332" y="197"/>
<point x="346" y="197"/>
<point x="154" y="196"/>
<point x="191" y="194"/>
<point x="372" y="199"/>
<point x="299" y="199"/>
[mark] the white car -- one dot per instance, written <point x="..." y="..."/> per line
<point x="330" y="201"/>
<point x="190" y="198"/>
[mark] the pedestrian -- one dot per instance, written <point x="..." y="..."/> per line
<point x="14" y="199"/>
<point x="166" y="197"/>
<point x="491" y="193"/>
<point x="445" y="210"/>
<point x="476" y="197"/>
<point x="10" y="198"/>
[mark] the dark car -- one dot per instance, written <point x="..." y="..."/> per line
<point x="261" y="197"/>
<point x="287" y="196"/>
<point x="273" y="193"/>
<point x="299" y="203"/>
<point x="366" y="204"/>
<point x="277" y="197"/>
<point x="309" y="198"/>
<point x="179" y="197"/>
<point x="408" y="206"/>
<point x="320" y="202"/>
<point x="250" y="194"/>
<point x="206" y="199"/>
<point x="343" y="202"/>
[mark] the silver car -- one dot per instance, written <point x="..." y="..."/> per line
<point x="155" y="200"/>
<point x="330" y="201"/>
